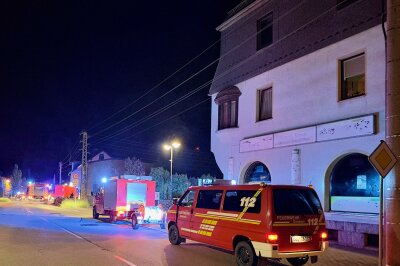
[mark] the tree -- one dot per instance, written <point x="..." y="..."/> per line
<point x="162" y="177"/>
<point x="16" y="179"/>
<point x="179" y="185"/>
<point x="134" y="166"/>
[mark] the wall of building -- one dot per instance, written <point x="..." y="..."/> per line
<point x="305" y="93"/>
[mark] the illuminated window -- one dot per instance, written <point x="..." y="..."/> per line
<point x="264" y="104"/>
<point x="227" y="101"/>
<point x="352" y="77"/>
<point x="257" y="172"/>
<point x="264" y="31"/>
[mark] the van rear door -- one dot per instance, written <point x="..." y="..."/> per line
<point x="298" y="219"/>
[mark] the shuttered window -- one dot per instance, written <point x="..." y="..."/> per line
<point x="352" y="77"/>
<point x="264" y="104"/>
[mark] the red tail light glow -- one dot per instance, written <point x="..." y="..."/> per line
<point x="324" y="235"/>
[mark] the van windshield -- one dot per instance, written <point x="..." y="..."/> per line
<point x="289" y="201"/>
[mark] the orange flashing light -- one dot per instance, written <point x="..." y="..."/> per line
<point x="272" y="237"/>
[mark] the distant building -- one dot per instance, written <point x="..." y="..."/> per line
<point x="100" y="166"/>
<point x="299" y="98"/>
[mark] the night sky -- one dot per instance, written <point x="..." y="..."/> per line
<point x="66" y="66"/>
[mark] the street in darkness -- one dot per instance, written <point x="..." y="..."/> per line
<point x="33" y="233"/>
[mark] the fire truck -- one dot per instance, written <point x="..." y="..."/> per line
<point x="127" y="199"/>
<point x="38" y="191"/>
<point x="64" y="191"/>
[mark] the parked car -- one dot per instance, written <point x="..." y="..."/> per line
<point x="253" y="221"/>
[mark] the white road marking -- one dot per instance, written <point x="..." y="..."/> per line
<point x="65" y="230"/>
<point x="124" y="260"/>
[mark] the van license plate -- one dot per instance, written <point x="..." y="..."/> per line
<point x="300" y="239"/>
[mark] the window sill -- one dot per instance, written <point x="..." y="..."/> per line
<point x="264" y="120"/>
<point x="227" y="129"/>
<point x="352" y="98"/>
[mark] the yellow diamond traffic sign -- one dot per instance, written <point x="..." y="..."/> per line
<point x="383" y="159"/>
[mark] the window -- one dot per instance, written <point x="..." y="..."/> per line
<point x="187" y="200"/>
<point x="237" y="200"/>
<point x="264" y="31"/>
<point x="340" y="4"/>
<point x="264" y="104"/>
<point x="227" y="115"/>
<point x="352" y="77"/>
<point x="227" y="101"/>
<point x="209" y="199"/>
<point x="101" y="156"/>
<point x="256" y="173"/>
<point x="296" y="202"/>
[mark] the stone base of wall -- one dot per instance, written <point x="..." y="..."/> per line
<point x="352" y="234"/>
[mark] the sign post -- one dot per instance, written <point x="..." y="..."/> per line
<point x="383" y="159"/>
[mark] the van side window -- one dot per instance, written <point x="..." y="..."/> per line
<point x="238" y="200"/>
<point x="187" y="200"/>
<point x="209" y="199"/>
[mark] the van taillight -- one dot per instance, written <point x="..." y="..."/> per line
<point x="324" y="235"/>
<point x="272" y="237"/>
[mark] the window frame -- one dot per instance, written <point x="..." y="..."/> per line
<point x="209" y="191"/>
<point x="341" y="4"/>
<point x="259" y="116"/>
<point x="342" y="90"/>
<point x="260" y="31"/>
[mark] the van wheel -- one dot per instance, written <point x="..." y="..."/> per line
<point x="95" y="214"/>
<point x="173" y="235"/>
<point x="298" y="261"/>
<point x="245" y="255"/>
<point x="134" y="222"/>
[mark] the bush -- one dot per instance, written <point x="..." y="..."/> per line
<point x="58" y="201"/>
<point x="5" y="200"/>
<point x="70" y="203"/>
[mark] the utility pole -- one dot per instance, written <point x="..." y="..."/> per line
<point x="392" y="181"/>
<point x="60" y="172"/>
<point x="84" y="177"/>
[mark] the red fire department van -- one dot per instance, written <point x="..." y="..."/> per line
<point x="272" y="221"/>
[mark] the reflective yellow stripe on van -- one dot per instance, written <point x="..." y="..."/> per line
<point x="226" y="217"/>
<point x="247" y="207"/>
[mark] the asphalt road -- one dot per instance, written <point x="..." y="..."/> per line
<point x="36" y="234"/>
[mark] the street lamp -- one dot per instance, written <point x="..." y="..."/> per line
<point x="171" y="146"/>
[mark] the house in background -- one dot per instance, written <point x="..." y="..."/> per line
<point x="299" y="98"/>
<point x="100" y="166"/>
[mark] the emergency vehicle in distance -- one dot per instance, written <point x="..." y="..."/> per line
<point x="258" y="220"/>
<point x="122" y="199"/>
<point x="38" y="191"/>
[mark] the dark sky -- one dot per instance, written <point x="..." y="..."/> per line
<point x="66" y="66"/>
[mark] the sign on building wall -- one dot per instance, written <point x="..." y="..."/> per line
<point x="257" y="143"/>
<point x="354" y="127"/>
<point x="294" y="137"/>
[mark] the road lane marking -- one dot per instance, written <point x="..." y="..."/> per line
<point x="124" y="260"/>
<point x="62" y="228"/>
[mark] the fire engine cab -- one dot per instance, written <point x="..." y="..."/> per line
<point x="258" y="220"/>
<point x="128" y="199"/>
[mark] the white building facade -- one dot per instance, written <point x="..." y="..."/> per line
<point x="304" y="105"/>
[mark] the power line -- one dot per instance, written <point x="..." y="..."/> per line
<point x="208" y="82"/>
<point x="198" y="72"/>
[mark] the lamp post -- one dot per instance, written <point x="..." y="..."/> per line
<point x="171" y="146"/>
